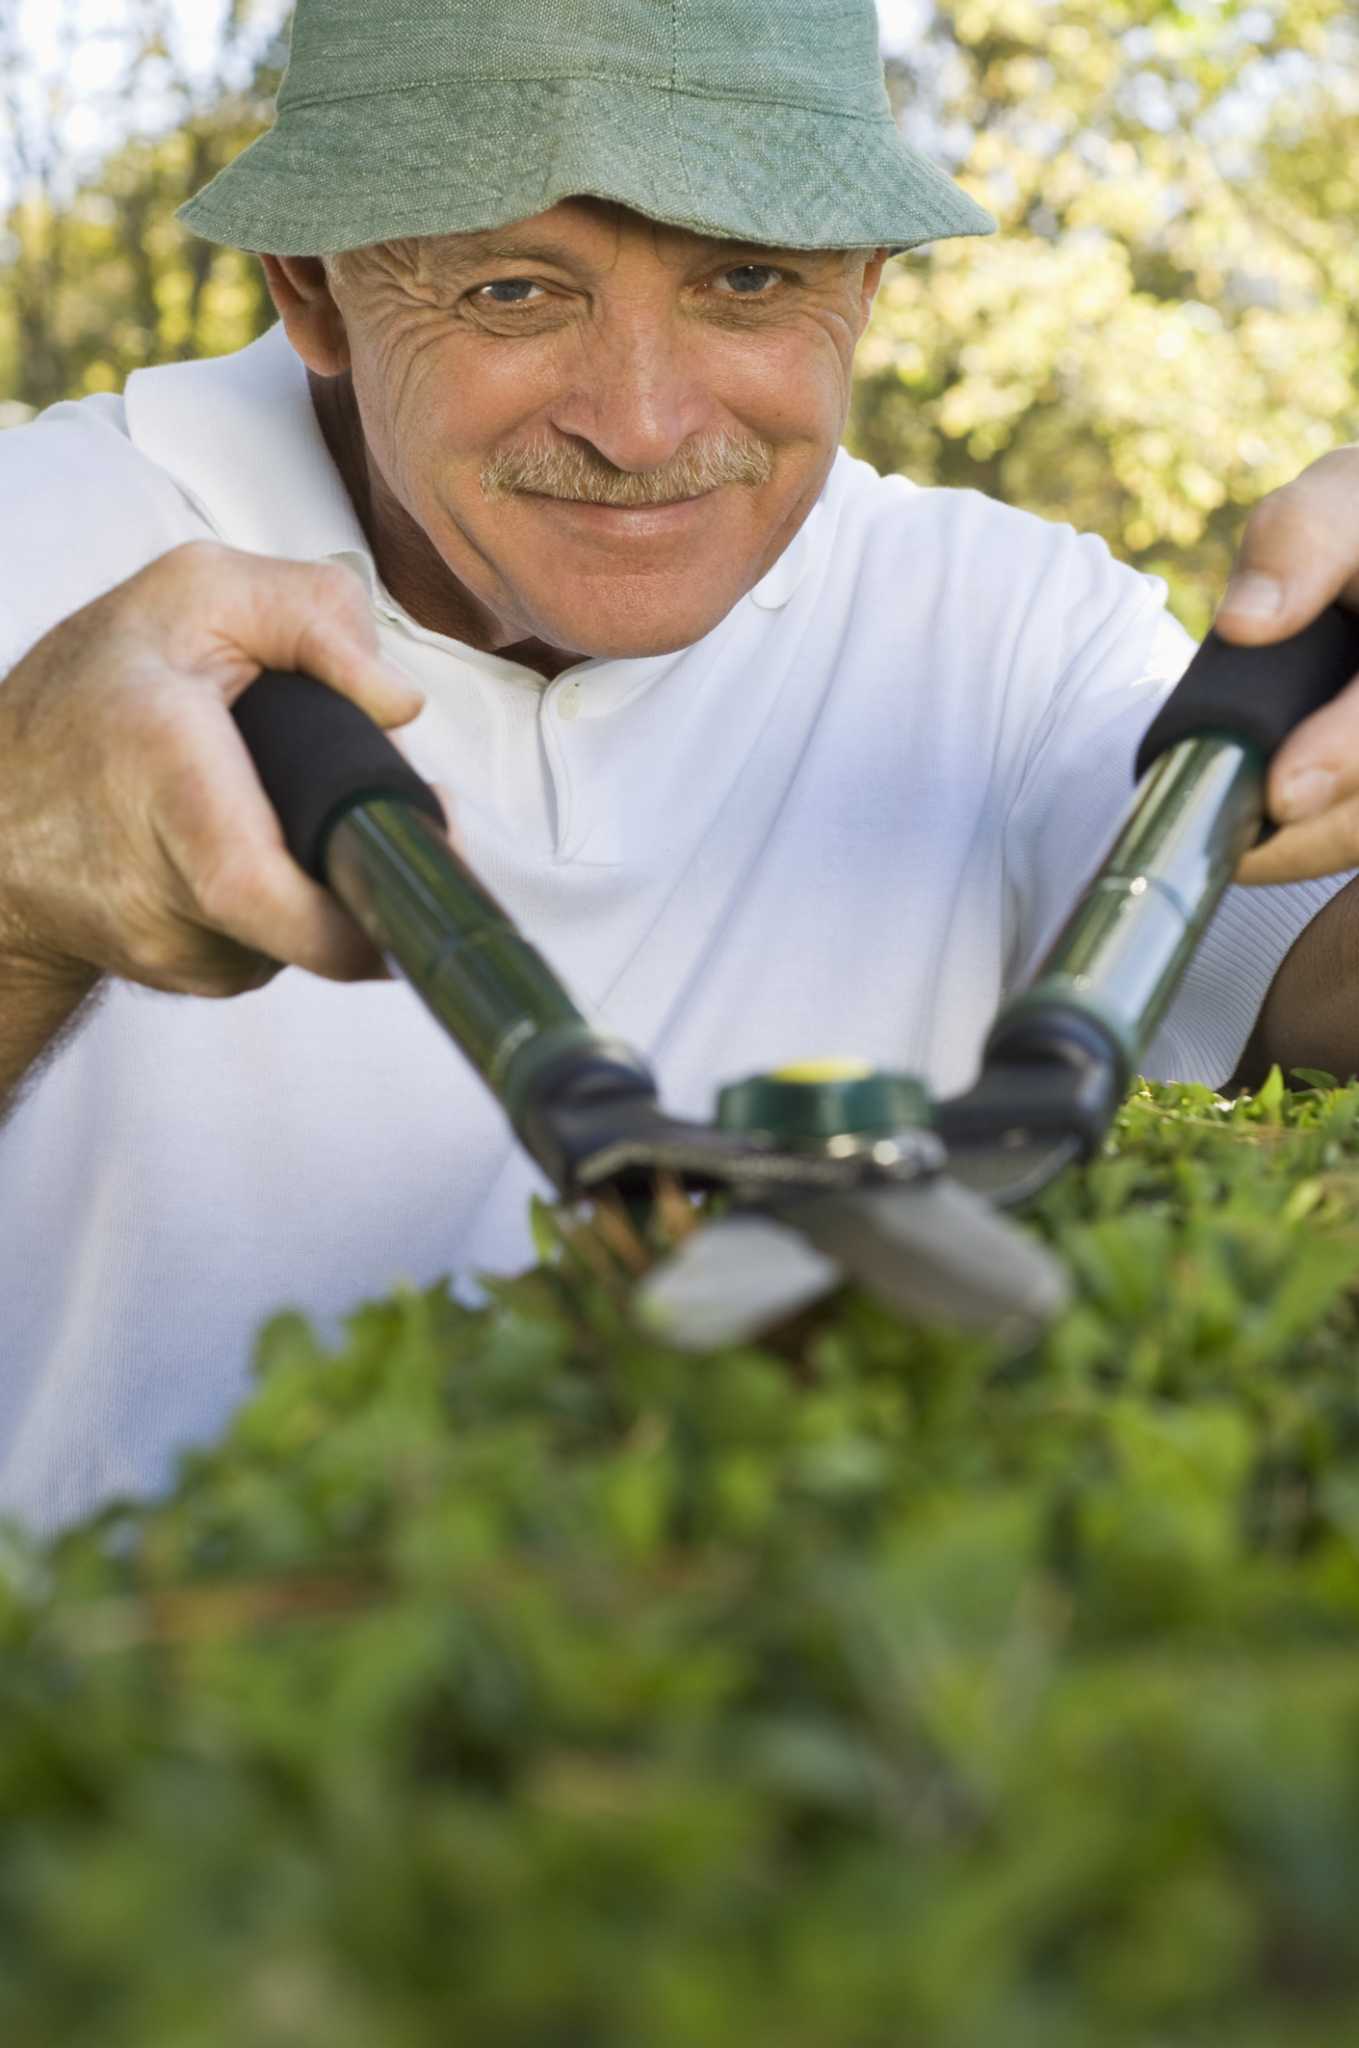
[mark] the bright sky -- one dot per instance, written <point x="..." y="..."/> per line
<point x="105" y="29"/>
<point x="103" y="21"/>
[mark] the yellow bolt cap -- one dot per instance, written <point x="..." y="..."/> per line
<point x="814" y="1072"/>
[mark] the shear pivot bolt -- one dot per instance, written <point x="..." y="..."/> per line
<point x="840" y="1107"/>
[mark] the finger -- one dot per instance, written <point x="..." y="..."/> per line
<point x="1299" y="553"/>
<point x="223" y="614"/>
<point x="1317" y="767"/>
<point x="1324" y="845"/>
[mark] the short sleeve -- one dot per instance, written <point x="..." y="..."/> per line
<point x="1116" y="654"/>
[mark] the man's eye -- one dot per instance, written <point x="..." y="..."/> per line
<point x="751" y="280"/>
<point x="507" y="291"/>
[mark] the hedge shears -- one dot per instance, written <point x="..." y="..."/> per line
<point x="830" y="1171"/>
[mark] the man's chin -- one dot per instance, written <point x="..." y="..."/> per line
<point x="626" y="640"/>
<point x="624" y="585"/>
<point x="606" y="623"/>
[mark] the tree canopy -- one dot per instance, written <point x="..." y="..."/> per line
<point x="1166" y="327"/>
<point x="96" y="277"/>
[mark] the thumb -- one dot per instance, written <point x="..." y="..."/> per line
<point x="1299" y="552"/>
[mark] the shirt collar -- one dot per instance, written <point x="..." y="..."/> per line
<point x="239" y="435"/>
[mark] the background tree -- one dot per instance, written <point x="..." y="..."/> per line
<point x="99" y="280"/>
<point x="1168" y="325"/>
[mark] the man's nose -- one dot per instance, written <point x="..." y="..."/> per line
<point x="635" y="393"/>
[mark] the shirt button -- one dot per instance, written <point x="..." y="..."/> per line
<point x="568" y="704"/>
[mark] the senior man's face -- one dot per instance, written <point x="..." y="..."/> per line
<point x="601" y="431"/>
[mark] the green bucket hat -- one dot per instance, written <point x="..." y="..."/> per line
<point x="764" y="120"/>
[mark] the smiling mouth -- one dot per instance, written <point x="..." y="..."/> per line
<point x="610" y="505"/>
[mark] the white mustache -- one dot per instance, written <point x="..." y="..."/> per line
<point x="567" y="470"/>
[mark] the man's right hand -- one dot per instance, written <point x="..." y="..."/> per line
<point x="135" y="839"/>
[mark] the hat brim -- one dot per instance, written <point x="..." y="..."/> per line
<point x="434" y="160"/>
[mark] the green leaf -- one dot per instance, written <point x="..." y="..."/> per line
<point x="1269" y="1096"/>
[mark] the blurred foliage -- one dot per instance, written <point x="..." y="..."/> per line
<point x="509" y="1678"/>
<point x="1167" y="328"/>
<point x="98" y="282"/>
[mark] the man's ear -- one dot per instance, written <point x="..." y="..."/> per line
<point x="873" y="270"/>
<point x="300" y="288"/>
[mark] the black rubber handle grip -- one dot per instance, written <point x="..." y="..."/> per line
<point x="1257" y="694"/>
<point x="318" y="756"/>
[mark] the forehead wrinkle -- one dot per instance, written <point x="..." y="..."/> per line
<point x="534" y="251"/>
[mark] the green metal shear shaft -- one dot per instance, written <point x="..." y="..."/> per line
<point x="1121" y="954"/>
<point x="430" y="917"/>
<point x="1117" y="962"/>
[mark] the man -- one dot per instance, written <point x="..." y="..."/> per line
<point x="772" y="757"/>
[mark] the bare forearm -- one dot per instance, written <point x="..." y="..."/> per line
<point x="38" y="1012"/>
<point x="1310" y="1017"/>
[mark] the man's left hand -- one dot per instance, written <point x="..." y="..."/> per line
<point x="1299" y="552"/>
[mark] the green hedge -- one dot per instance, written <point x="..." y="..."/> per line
<point x="508" y="1680"/>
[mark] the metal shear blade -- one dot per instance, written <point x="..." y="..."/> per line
<point x="932" y="1250"/>
<point x="732" y="1280"/>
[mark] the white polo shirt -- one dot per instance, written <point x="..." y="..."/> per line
<point x="845" y="821"/>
